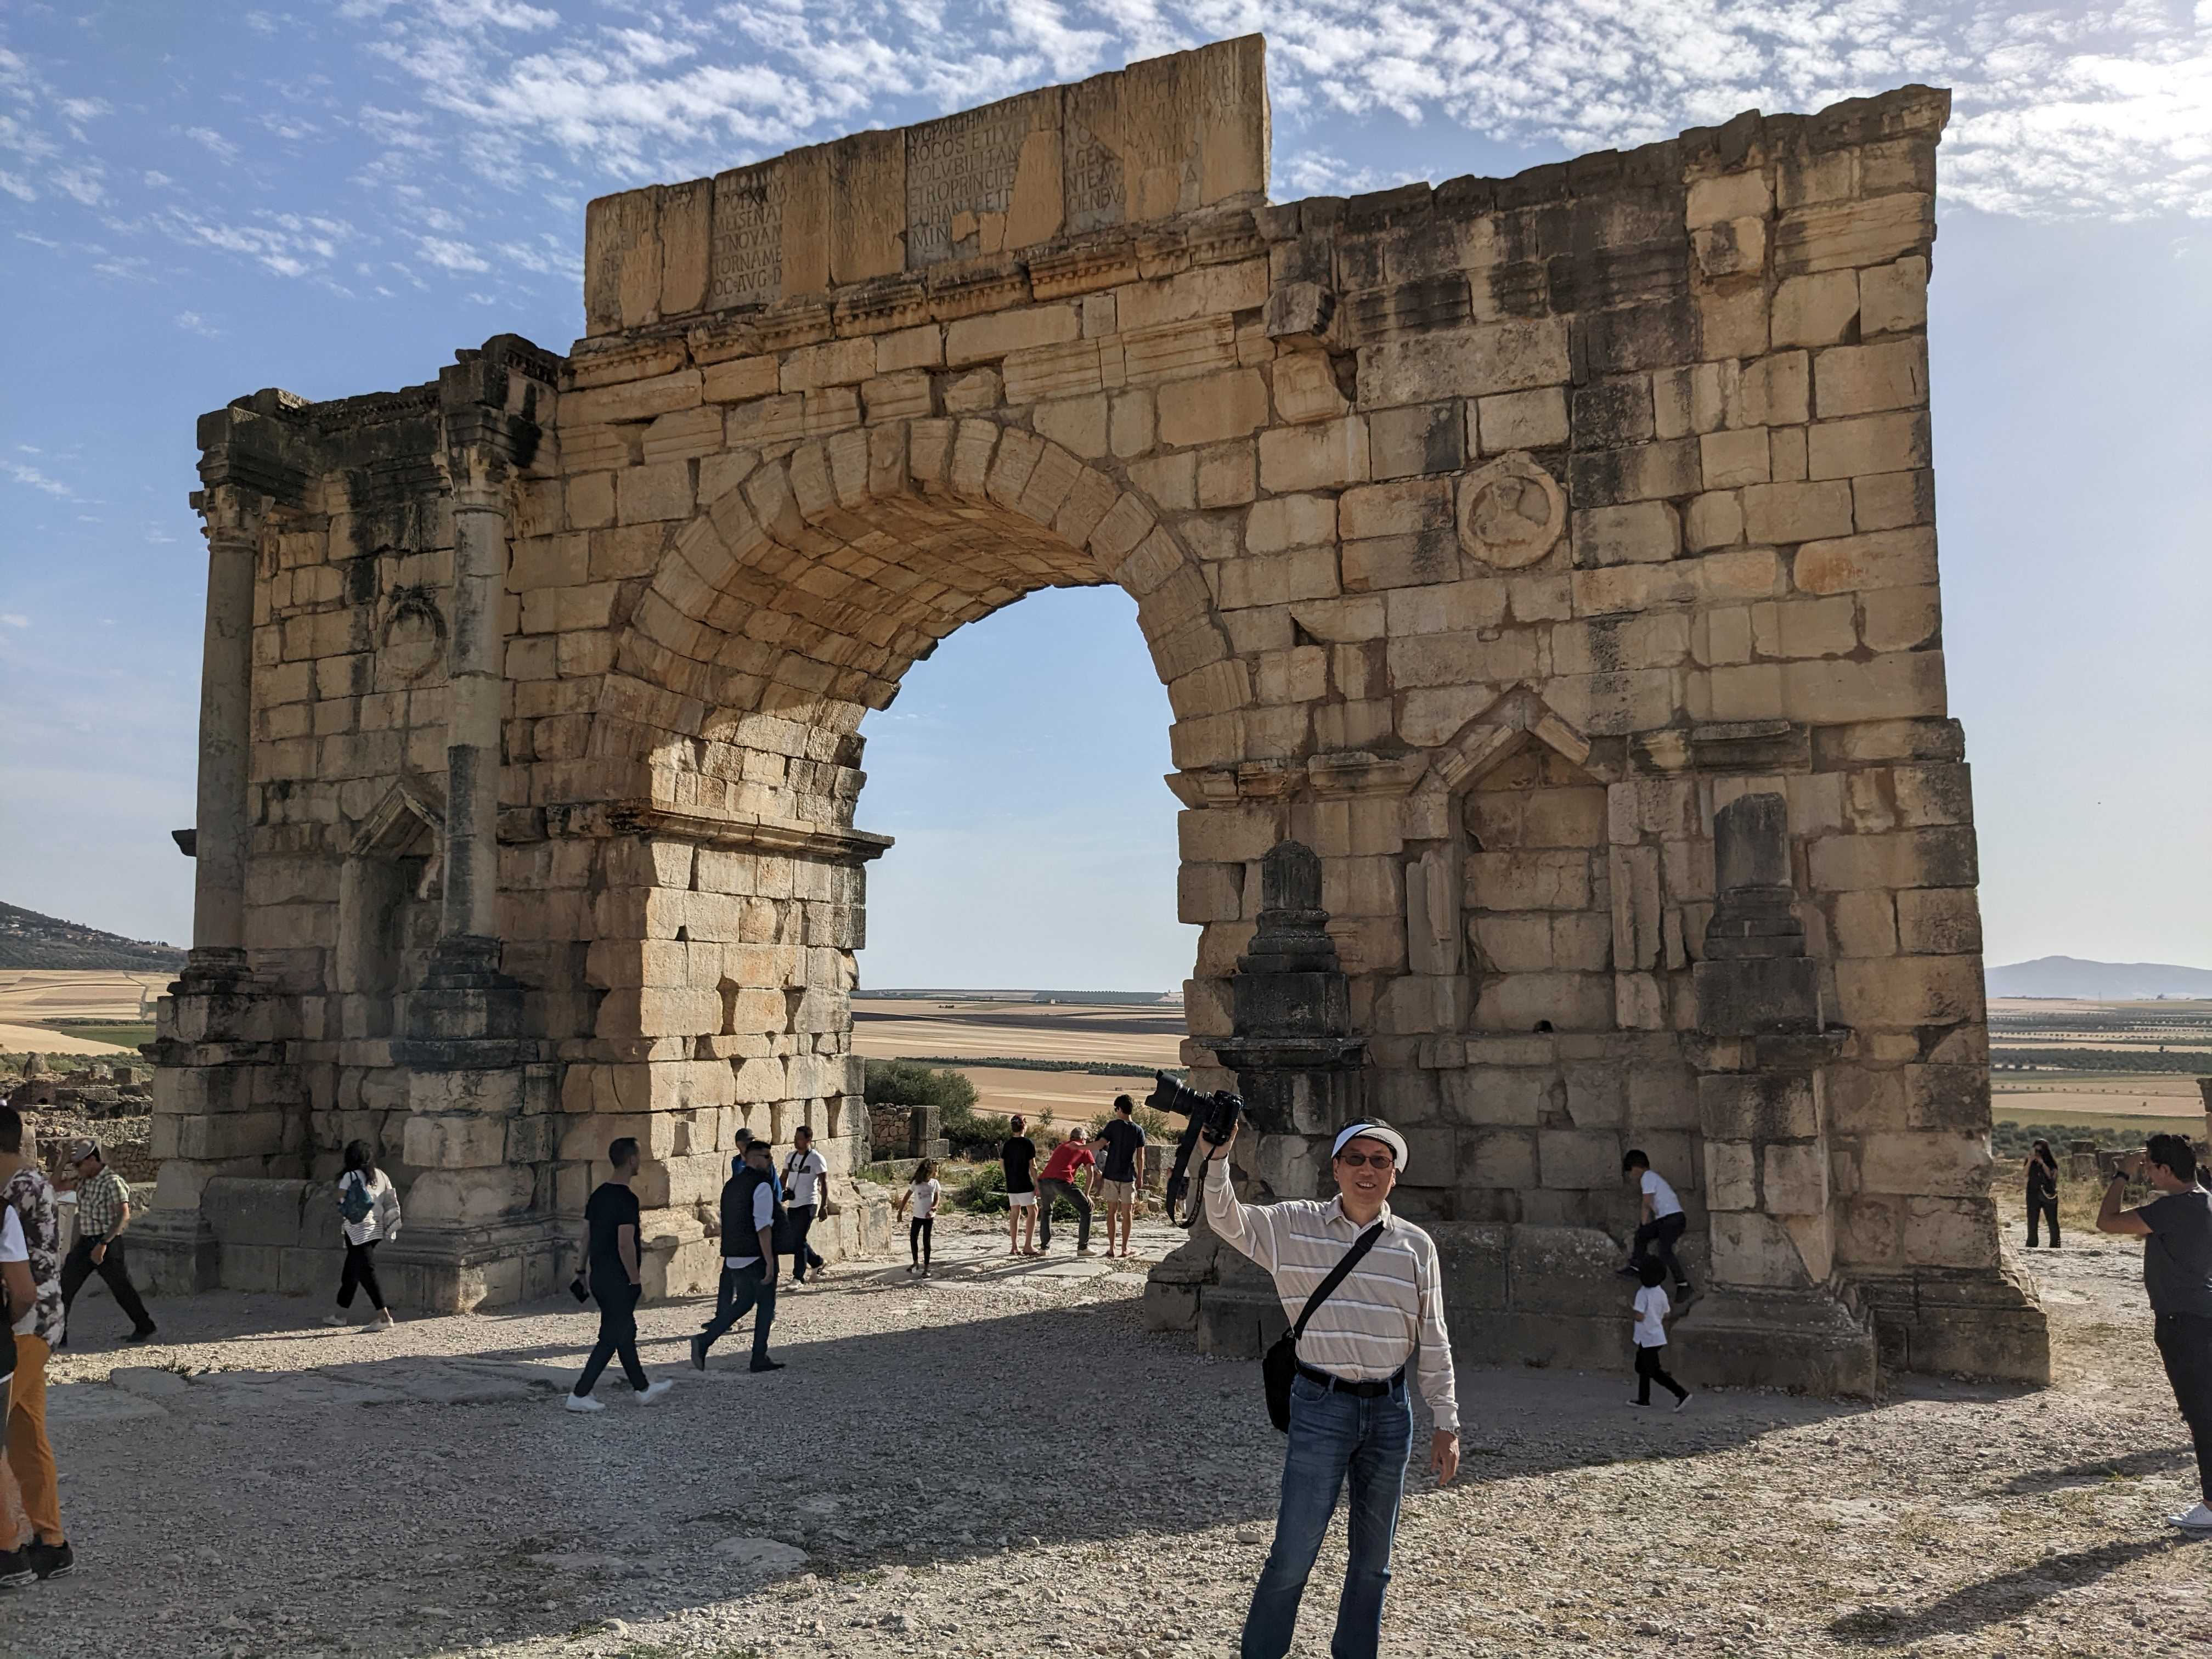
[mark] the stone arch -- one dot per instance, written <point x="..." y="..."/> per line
<point x="813" y="579"/>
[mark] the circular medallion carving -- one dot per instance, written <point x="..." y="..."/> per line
<point x="1512" y="512"/>
<point x="413" y="641"/>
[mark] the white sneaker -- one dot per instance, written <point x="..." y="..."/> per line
<point x="2195" y="1519"/>
<point x="582" y="1402"/>
<point x="653" y="1391"/>
<point x="1640" y="1405"/>
<point x="1687" y="1398"/>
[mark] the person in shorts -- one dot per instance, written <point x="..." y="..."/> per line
<point x="1017" y="1157"/>
<point x="1121" y="1170"/>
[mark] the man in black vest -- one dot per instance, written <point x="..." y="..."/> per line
<point x="751" y="1217"/>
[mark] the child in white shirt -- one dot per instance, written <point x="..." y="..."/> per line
<point x="923" y="1195"/>
<point x="1652" y="1308"/>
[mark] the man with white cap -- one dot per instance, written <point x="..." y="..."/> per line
<point x="1350" y="1414"/>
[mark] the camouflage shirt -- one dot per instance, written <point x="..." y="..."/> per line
<point x="31" y="1196"/>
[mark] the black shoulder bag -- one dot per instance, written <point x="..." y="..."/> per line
<point x="1279" y="1367"/>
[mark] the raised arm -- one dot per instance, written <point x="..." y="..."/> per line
<point x="2111" y="1218"/>
<point x="1247" y="1227"/>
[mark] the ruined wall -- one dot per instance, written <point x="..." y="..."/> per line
<point x="1489" y="539"/>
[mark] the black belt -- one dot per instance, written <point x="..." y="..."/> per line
<point x="1374" y="1390"/>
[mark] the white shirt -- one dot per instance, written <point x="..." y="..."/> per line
<point x="1663" y="1201"/>
<point x="12" y="1248"/>
<point x="1652" y="1310"/>
<point x="763" y="1216"/>
<point x="799" y="1175"/>
<point x="371" y="1226"/>
<point x="922" y="1198"/>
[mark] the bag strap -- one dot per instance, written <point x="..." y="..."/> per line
<point x="1350" y="1260"/>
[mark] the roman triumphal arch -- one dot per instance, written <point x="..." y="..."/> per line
<point x="1542" y="573"/>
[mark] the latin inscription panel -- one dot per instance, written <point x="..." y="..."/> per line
<point x="748" y="259"/>
<point x="965" y="164"/>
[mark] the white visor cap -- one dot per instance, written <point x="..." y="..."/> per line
<point x="1381" y="1131"/>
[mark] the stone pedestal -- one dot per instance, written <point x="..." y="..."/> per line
<point x="1775" y="1312"/>
<point x="1297" y="1067"/>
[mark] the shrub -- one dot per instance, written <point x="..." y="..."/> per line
<point x="905" y="1083"/>
<point x="984" y="1192"/>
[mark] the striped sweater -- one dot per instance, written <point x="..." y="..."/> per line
<point x="1389" y="1306"/>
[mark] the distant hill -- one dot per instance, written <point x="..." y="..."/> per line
<point x="29" y="940"/>
<point x="2069" y="976"/>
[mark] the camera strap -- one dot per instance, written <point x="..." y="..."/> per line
<point x="1337" y="1275"/>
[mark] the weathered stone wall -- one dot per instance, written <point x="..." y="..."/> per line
<point x="1489" y="539"/>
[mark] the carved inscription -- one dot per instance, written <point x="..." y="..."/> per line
<point x="1096" y="193"/>
<point x="748" y="262"/>
<point x="962" y="168"/>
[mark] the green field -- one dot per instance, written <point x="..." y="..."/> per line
<point x="123" y="1034"/>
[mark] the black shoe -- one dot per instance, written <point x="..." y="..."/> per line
<point x="1682" y="1291"/>
<point x="15" y="1569"/>
<point x="767" y="1365"/>
<point x="140" y="1335"/>
<point x="1629" y="1273"/>
<point x="52" y="1560"/>
<point x="699" y="1353"/>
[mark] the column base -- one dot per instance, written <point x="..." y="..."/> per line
<point x="174" y="1252"/>
<point x="453" y="1270"/>
<point x="1960" y="1321"/>
<point x="1806" y="1341"/>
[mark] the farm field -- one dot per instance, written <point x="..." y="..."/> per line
<point x="1136" y="1036"/>
<point x="2058" y="1061"/>
<point x="29" y="996"/>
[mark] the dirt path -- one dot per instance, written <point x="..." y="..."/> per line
<point x="1002" y="1462"/>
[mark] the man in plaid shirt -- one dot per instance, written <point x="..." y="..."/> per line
<point x="103" y="1211"/>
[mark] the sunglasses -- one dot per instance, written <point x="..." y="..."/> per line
<point x="1360" y="1160"/>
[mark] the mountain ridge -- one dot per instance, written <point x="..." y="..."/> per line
<point x="29" y="940"/>
<point x="2077" y="976"/>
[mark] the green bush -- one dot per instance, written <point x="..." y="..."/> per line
<point x="907" y="1083"/>
<point x="984" y="1193"/>
<point x="2008" y="1139"/>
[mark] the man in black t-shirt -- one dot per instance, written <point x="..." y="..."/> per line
<point x="610" y="1271"/>
<point x="1017" y="1157"/>
<point x="1121" y="1169"/>
<point x="2177" y="1276"/>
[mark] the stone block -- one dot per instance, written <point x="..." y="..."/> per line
<point x="1731" y="1174"/>
<point x="1642" y="532"/>
<point x="1904" y="992"/>
<point x="1817" y="310"/>
<point x="1782" y="512"/>
<point x="1417" y="439"/>
<point x="1535" y="419"/>
<point x="1893" y="298"/>
<point x="1795" y="1179"/>
<point x="1892" y="443"/>
<point x="1729" y="458"/>
<point x="1939" y="921"/>
<point x="1211" y="408"/>
<point x="1930" y="1163"/>
<point x="1509" y="356"/>
<point x="994" y="334"/>
<point x="1851" y="564"/>
<point x="1758" y="1106"/>
<point x="1862" y="380"/>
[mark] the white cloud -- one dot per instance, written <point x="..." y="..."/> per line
<point x="17" y="187"/>
<point x="192" y="323"/>
<point x="451" y="256"/>
<point x="35" y="479"/>
<point x="14" y="619"/>
<point x="214" y="141"/>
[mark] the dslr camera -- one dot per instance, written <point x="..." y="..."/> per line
<point x="1209" y="1118"/>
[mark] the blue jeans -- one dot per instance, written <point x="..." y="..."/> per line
<point x="1333" y="1434"/>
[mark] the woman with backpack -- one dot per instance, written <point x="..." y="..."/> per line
<point x="368" y="1214"/>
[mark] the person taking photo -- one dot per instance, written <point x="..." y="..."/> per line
<point x="2177" y="1228"/>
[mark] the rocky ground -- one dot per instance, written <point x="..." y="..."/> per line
<point x="1001" y="1461"/>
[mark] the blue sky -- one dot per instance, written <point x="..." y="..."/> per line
<point x="196" y="202"/>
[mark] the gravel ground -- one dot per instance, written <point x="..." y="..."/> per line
<point x="1001" y="1461"/>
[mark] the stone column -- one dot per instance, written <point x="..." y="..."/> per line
<point x="233" y="523"/>
<point x="1299" y="1068"/>
<point x="482" y="1091"/>
<point x="220" y="1095"/>
<point x="1774" y="1311"/>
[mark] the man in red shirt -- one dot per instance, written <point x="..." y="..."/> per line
<point x="1057" y="1181"/>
